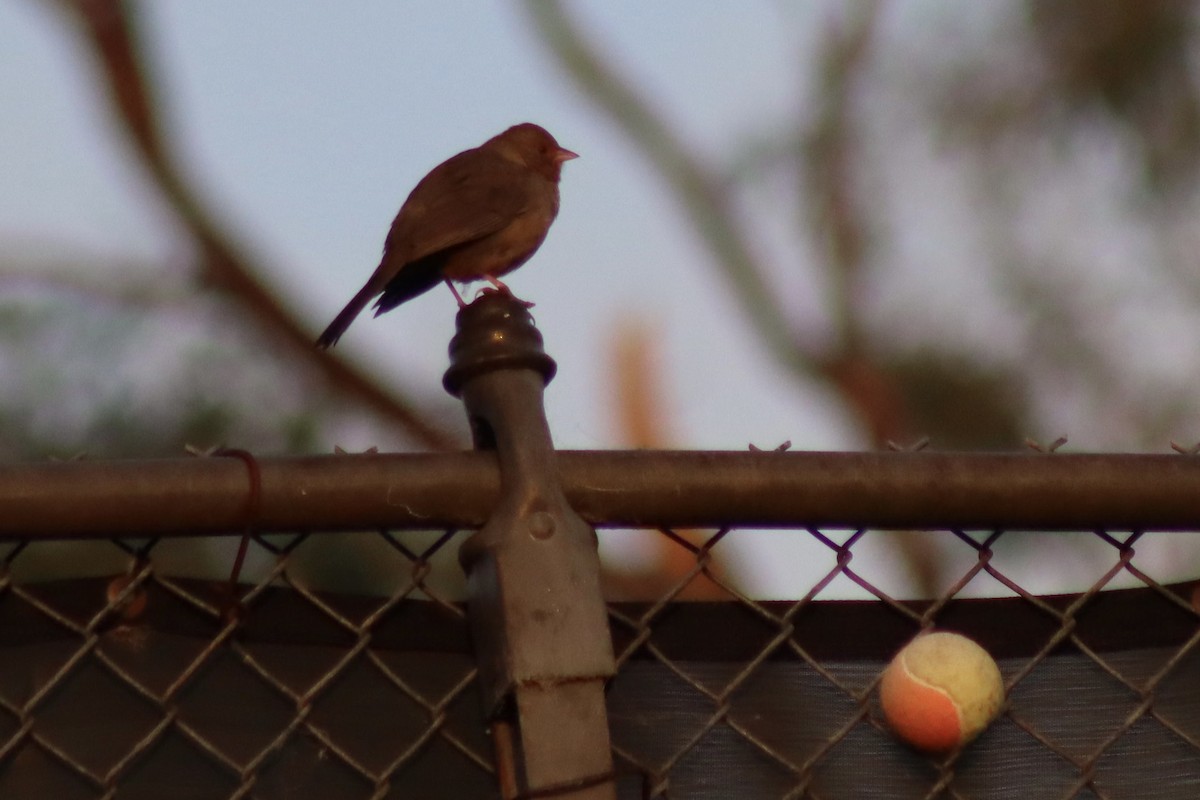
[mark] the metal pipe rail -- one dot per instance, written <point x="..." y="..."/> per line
<point x="209" y="496"/>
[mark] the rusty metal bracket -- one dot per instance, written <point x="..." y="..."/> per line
<point x="538" y="619"/>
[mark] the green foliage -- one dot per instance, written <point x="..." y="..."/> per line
<point x="90" y="378"/>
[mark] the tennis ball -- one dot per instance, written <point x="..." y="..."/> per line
<point x="940" y="691"/>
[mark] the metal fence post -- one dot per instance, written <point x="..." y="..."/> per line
<point x="538" y="619"/>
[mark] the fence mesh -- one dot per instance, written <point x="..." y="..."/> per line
<point x="151" y="684"/>
<point x="1102" y="687"/>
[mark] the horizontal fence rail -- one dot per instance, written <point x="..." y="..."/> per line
<point x="206" y="496"/>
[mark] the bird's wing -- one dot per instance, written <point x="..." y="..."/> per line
<point x="471" y="195"/>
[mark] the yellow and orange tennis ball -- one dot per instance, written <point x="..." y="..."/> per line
<point x="941" y="691"/>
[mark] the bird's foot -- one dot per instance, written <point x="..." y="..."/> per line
<point x="502" y="289"/>
<point x="457" y="296"/>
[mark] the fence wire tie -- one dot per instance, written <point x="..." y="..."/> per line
<point x="251" y="513"/>
<point x="1036" y="446"/>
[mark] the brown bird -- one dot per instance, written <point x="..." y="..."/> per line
<point x="480" y="214"/>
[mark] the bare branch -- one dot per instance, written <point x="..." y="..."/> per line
<point x="108" y="28"/>
<point x="703" y="196"/>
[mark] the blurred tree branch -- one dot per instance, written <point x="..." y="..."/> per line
<point x="839" y="220"/>
<point x="1134" y="59"/>
<point x="1098" y="96"/>
<point x="839" y="224"/>
<point x="706" y="199"/>
<point x="702" y="194"/>
<point x="108" y="27"/>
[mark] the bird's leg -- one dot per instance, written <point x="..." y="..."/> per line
<point x="454" y="291"/>
<point x="502" y="288"/>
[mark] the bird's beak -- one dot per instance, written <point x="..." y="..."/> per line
<point x="564" y="154"/>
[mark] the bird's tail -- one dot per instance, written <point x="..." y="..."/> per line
<point x="417" y="278"/>
<point x="342" y="321"/>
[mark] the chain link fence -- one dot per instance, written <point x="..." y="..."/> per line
<point x="778" y="699"/>
<point x="432" y="626"/>
<point x="144" y="685"/>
